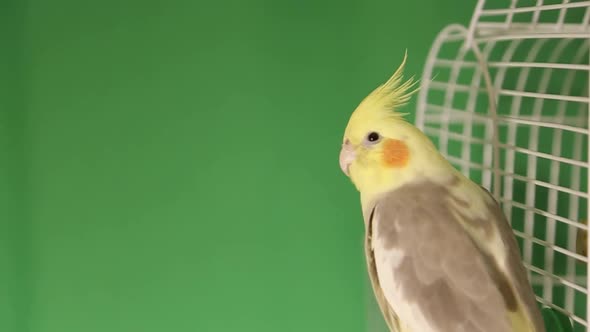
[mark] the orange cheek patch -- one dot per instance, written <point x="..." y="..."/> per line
<point x="395" y="153"/>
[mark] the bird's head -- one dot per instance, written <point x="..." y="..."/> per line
<point x="380" y="149"/>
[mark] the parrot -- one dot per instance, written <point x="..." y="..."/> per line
<point x="440" y="254"/>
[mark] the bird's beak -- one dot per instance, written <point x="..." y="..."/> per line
<point x="347" y="156"/>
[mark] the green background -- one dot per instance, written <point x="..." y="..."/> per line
<point x="172" y="165"/>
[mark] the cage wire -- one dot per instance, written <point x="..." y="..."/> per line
<point x="506" y="101"/>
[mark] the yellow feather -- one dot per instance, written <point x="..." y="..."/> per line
<point x="387" y="98"/>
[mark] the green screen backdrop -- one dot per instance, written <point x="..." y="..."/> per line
<point x="172" y="165"/>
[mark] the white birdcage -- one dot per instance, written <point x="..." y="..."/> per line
<point x="506" y="101"/>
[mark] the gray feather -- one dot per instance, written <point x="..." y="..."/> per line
<point x="456" y="284"/>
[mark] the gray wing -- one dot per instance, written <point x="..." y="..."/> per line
<point x="389" y="315"/>
<point x="516" y="270"/>
<point x="428" y="265"/>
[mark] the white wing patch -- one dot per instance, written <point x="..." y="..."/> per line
<point x="386" y="261"/>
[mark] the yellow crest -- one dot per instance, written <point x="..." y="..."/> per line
<point x="386" y="99"/>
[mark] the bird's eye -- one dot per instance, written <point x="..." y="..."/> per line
<point x="373" y="137"/>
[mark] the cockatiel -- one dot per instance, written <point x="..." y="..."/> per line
<point x="440" y="254"/>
